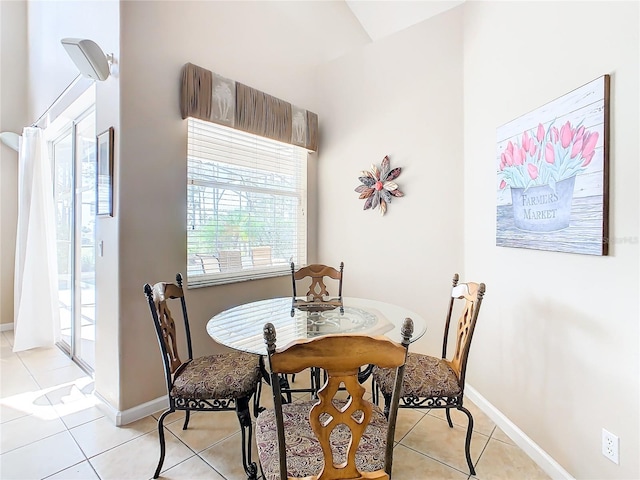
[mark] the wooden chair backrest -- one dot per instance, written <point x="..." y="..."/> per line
<point x="471" y="294"/>
<point x="340" y="356"/>
<point x="316" y="272"/>
<point x="164" y="322"/>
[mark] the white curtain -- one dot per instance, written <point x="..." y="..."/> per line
<point x="36" y="310"/>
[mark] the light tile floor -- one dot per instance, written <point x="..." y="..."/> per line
<point x="51" y="428"/>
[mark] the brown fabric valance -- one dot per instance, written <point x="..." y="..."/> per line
<point x="208" y="96"/>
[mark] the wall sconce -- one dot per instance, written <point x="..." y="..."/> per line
<point x="88" y="57"/>
<point x="11" y="140"/>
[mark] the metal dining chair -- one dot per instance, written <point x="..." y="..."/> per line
<point x="432" y="382"/>
<point x="210" y="383"/>
<point x="330" y="438"/>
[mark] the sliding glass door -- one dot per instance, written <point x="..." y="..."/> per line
<point x="73" y="153"/>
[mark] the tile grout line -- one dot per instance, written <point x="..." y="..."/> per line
<point x="432" y="458"/>
<point x="489" y="438"/>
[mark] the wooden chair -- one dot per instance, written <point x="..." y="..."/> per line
<point x="431" y="382"/>
<point x="210" y="263"/>
<point x="230" y="260"/>
<point x="330" y="439"/>
<point x="261" y="256"/>
<point x="317" y="291"/>
<point x="317" y="298"/>
<point x="209" y="383"/>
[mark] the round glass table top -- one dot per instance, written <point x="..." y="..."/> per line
<point x="241" y="327"/>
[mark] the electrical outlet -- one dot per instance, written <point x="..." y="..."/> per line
<point x="610" y="446"/>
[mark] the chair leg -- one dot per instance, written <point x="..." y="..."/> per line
<point x="285" y="388"/>
<point x="467" y="443"/>
<point x="387" y="404"/>
<point x="375" y="392"/>
<point x="244" y="417"/>
<point x="187" y="416"/>
<point x="315" y="381"/>
<point x="447" y="411"/>
<point x="256" y="400"/>
<point x="161" y="437"/>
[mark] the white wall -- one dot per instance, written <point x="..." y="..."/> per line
<point x="265" y="45"/>
<point x="13" y="115"/>
<point x="400" y="96"/>
<point x="556" y="349"/>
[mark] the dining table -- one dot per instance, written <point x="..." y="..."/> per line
<point x="241" y="327"/>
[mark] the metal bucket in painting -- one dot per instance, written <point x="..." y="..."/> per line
<point x="541" y="208"/>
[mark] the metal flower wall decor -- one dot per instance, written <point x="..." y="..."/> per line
<point x="378" y="186"/>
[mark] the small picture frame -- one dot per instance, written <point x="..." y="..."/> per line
<point x="104" y="173"/>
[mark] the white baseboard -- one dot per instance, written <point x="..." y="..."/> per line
<point x="119" y="417"/>
<point x="5" y="327"/>
<point x="528" y="446"/>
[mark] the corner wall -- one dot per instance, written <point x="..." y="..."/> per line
<point x="557" y="347"/>
<point x="399" y="96"/>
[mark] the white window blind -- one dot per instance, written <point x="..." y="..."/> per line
<point x="246" y="205"/>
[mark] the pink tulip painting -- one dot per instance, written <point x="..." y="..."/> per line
<point x="587" y="159"/>
<point x="551" y="166"/>
<point x="566" y="134"/>
<point x="518" y="157"/>
<point x="577" y="147"/>
<point x="588" y="148"/>
<point x="547" y="155"/>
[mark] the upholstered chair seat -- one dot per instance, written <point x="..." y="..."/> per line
<point x="304" y="452"/>
<point x="227" y="375"/>
<point x="424" y="376"/>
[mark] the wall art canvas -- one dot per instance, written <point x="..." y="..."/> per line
<point x="552" y="174"/>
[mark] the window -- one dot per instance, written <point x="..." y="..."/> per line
<point x="246" y="205"/>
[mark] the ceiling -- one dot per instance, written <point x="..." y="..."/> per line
<point x="328" y="29"/>
<point x="382" y="18"/>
